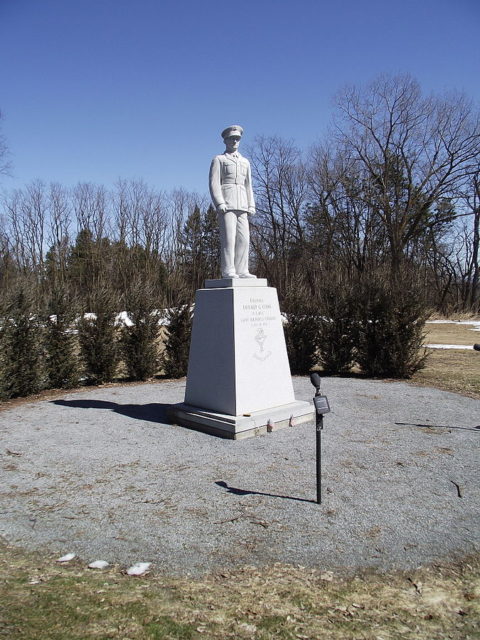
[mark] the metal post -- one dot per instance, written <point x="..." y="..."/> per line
<point x="319" y="428"/>
<point x="321" y="406"/>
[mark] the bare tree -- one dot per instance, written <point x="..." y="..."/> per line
<point x="452" y="260"/>
<point x="342" y="226"/>
<point x="58" y="237"/>
<point x="472" y="201"/>
<point x="91" y="258"/>
<point x="90" y="204"/>
<point x="280" y="185"/>
<point x="140" y="221"/>
<point x="26" y="213"/>
<point x="141" y="216"/>
<point x="7" y="259"/>
<point x="415" y="151"/>
<point x="181" y="204"/>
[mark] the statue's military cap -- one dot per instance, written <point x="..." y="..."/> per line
<point x="234" y="130"/>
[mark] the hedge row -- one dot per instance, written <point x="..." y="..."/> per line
<point x="60" y="352"/>
<point x="373" y="325"/>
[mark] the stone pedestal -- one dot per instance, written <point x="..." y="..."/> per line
<point x="238" y="381"/>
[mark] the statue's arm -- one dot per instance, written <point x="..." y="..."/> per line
<point x="248" y="187"/>
<point x="216" y="185"/>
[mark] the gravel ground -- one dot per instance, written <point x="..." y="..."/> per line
<point x="100" y="473"/>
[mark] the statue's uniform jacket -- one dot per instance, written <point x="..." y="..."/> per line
<point x="231" y="183"/>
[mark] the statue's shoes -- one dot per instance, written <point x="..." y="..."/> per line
<point x="247" y="275"/>
<point x="228" y="276"/>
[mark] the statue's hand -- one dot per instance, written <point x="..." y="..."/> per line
<point x="222" y="208"/>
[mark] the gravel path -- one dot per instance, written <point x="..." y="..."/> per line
<point x="100" y="473"/>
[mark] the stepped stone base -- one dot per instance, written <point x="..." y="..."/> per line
<point x="240" y="427"/>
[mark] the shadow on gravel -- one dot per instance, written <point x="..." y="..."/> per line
<point x="242" y="492"/>
<point x="436" y="426"/>
<point x="153" y="412"/>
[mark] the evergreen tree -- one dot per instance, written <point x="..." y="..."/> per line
<point x="98" y="338"/>
<point x="177" y="344"/>
<point x="301" y="331"/>
<point x="192" y="240"/>
<point x="61" y="363"/>
<point x="20" y="351"/>
<point x="200" y="254"/>
<point x="210" y="244"/>
<point x="337" y="326"/>
<point x="139" y="341"/>
<point x="89" y="262"/>
<point x="391" y="321"/>
<point x="301" y="338"/>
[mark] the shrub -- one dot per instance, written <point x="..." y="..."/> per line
<point x="97" y="338"/>
<point x="61" y="362"/>
<point x="20" y="349"/>
<point x="139" y="341"/>
<point x="301" y="329"/>
<point x="337" y="328"/>
<point x="391" y="319"/>
<point x="301" y="337"/>
<point x="177" y="344"/>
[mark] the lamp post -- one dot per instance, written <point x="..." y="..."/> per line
<point x="321" y="408"/>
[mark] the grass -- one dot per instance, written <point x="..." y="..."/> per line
<point x="41" y="600"/>
<point x="451" y="334"/>
<point x="449" y="369"/>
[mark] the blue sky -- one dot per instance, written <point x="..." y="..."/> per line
<point x="94" y="90"/>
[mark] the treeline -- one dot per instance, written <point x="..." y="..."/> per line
<point x="363" y="235"/>
<point x="85" y="240"/>
<point x="395" y="188"/>
<point x="71" y="260"/>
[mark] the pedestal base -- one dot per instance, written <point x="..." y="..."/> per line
<point x="238" y="380"/>
<point x="239" y="427"/>
<point x="238" y="359"/>
<point x="223" y="283"/>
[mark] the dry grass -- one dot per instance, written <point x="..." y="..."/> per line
<point x="451" y="334"/>
<point x="48" y="601"/>
<point x="449" y="369"/>
<point x="454" y="317"/>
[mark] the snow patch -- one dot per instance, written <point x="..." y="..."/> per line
<point x="473" y="323"/>
<point x="448" y="346"/>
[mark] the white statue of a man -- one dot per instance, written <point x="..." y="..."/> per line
<point x="232" y="196"/>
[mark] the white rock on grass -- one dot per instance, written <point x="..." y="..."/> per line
<point x="139" y="569"/>
<point x="67" y="558"/>
<point x="98" y="564"/>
